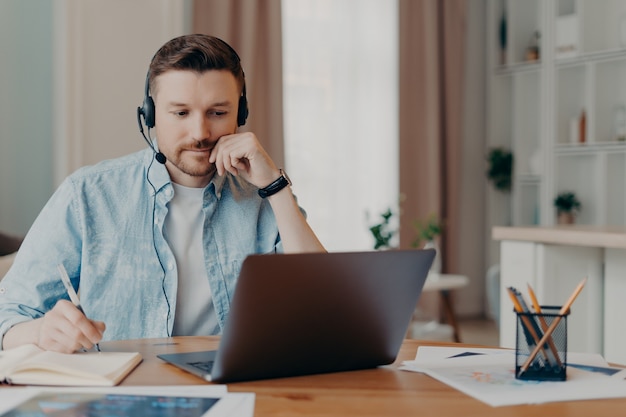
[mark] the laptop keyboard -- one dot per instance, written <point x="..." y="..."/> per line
<point x="205" y="366"/>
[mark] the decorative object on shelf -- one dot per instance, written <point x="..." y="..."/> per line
<point x="500" y="168"/>
<point x="428" y="231"/>
<point x="567" y="205"/>
<point x="502" y="38"/>
<point x="532" y="52"/>
<point x="619" y="123"/>
<point x="383" y="232"/>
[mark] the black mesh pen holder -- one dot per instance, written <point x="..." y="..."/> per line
<point x="550" y="361"/>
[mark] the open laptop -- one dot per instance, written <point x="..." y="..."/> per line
<point x="302" y="314"/>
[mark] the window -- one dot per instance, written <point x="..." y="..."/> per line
<point x="340" y="69"/>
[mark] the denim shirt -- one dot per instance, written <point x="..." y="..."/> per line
<point x="105" y="224"/>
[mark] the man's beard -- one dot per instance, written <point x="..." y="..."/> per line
<point x="191" y="165"/>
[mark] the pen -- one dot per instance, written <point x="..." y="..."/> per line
<point x="70" y="291"/>
<point x="564" y="310"/>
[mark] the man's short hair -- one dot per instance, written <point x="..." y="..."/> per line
<point x="199" y="53"/>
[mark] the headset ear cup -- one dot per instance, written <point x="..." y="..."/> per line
<point x="242" y="111"/>
<point x="148" y="112"/>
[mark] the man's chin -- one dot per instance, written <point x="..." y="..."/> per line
<point x="195" y="169"/>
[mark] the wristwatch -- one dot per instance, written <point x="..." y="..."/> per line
<point x="276" y="186"/>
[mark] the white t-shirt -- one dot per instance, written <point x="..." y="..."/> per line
<point x="194" y="315"/>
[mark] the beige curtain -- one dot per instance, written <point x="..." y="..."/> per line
<point x="431" y="116"/>
<point x="253" y="28"/>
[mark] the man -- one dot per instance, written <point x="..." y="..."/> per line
<point x="155" y="240"/>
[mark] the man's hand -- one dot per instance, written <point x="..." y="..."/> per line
<point x="242" y="154"/>
<point x="63" y="329"/>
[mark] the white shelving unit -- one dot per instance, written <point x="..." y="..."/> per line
<point x="534" y="108"/>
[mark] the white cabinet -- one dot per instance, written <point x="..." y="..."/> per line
<point x="554" y="271"/>
<point x="535" y="102"/>
<point x="554" y="259"/>
<point x="614" y="291"/>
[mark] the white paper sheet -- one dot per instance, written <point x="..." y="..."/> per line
<point x="489" y="376"/>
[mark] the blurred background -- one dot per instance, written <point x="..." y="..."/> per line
<point x="372" y="107"/>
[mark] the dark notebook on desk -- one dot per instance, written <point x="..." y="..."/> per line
<point x="302" y="314"/>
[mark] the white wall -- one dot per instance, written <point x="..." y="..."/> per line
<point x="25" y="111"/>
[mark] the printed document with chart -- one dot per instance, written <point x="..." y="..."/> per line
<point x="489" y="376"/>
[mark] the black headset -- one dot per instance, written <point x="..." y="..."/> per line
<point x="147" y="112"/>
<point x="147" y="107"/>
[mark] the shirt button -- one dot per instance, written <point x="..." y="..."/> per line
<point x="2" y="290"/>
<point x="170" y="266"/>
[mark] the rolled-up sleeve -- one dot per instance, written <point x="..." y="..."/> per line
<point x="32" y="285"/>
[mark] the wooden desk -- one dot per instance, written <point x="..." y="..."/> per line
<point x="385" y="391"/>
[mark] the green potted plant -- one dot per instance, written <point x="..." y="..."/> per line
<point x="567" y="205"/>
<point x="500" y="168"/>
<point x="426" y="230"/>
<point x="383" y="232"/>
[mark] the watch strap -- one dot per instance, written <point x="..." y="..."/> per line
<point x="275" y="186"/>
